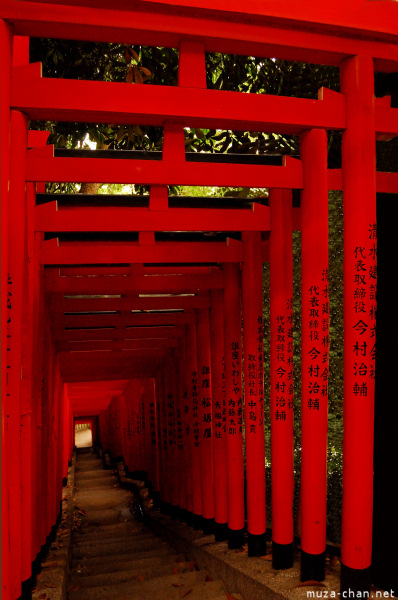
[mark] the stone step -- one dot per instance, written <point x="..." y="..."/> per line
<point x="170" y="587"/>
<point x="133" y="574"/>
<point x="110" y="497"/>
<point x="108" y="516"/>
<point x="107" y="530"/>
<point x="96" y="486"/>
<point x="117" y="547"/>
<point x="93" y="461"/>
<point x="110" y="536"/>
<point x="94" y="474"/>
<point x="114" y="559"/>
<point x="112" y="564"/>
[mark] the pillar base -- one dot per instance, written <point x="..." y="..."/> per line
<point x="282" y="555"/>
<point x="208" y="526"/>
<point x="312" y="566"/>
<point x="36" y="568"/>
<point x="26" y="589"/>
<point x="183" y="515"/>
<point x="221" y="531"/>
<point x="174" y="511"/>
<point x="236" y="538"/>
<point x="197" y="522"/>
<point x="354" y="582"/>
<point x="189" y="517"/>
<point x="165" y="508"/>
<point x="256" y="544"/>
<point x="156" y="499"/>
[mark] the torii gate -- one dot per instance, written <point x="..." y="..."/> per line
<point x="189" y="367"/>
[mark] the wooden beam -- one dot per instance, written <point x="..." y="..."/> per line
<point x="49" y="218"/>
<point x="69" y="253"/>
<point x="138" y="345"/>
<point x="160" y="28"/>
<point x="133" y="333"/>
<point x="150" y="172"/>
<point x="121" y="285"/>
<point x="111" y="102"/>
<point x="126" y="320"/>
<point x="126" y="303"/>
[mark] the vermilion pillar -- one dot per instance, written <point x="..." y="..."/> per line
<point x="5" y="72"/>
<point x="219" y="415"/>
<point x="15" y="292"/>
<point x="179" y="454"/>
<point x="190" y="367"/>
<point x="315" y="353"/>
<point x="358" y="156"/>
<point x="234" y="404"/>
<point x="253" y="362"/>
<point x="281" y="376"/>
<point x="171" y="402"/>
<point x="205" y="414"/>
<point x="162" y="433"/>
<point x="197" y="505"/>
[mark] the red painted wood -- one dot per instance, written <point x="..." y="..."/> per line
<point x="15" y="293"/>
<point x="121" y="285"/>
<point x="119" y="345"/>
<point x="143" y="303"/>
<point x="179" y="367"/>
<point x="48" y="218"/>
<point x="171" y="495"/>
<point x="233" y="396"/>
<point x="189" y="367"/>
<point x="134" y="333"/>
<point x="99" y="101"/>
<point x="113" y="170"/>
<point x="314" y="342"/>
<point x="359" y="314"/>
<point x="219" y="407"/>
<point x="162" y="440"/>
<point x="205" y="412"/>
<point x="53" y="253"/>
<point x="359" y="15"/>
<point x="195" y="431"/>
<point x="228" y="36"/>
<point x="5" y="70"/>
<point x="281" y="367"/>
<point x="172" y="404"/>
<point x="121" y="320"/>
<point x="253" y="363"/>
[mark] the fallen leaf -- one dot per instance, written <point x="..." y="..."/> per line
<point x="186" y="593"/>
<point x="42" y="596"/>
<point x="175" y="570"/>
<point x="309" y="583"/>
<point x="229" y="596"/>
<point x="191" y="566"/>
<point x="75" y="588"/>
<point x="177" y="584"/>
<point x="266" y="557"/>
<point x="141" y="578"/>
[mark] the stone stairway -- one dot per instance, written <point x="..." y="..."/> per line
<point x="114" y="556"/>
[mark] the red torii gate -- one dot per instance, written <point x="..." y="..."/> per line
<point x="191" y="374"/>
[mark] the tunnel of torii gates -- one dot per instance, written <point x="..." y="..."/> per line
<point x="154" y="330"/>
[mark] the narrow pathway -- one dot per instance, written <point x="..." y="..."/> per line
<point x="115" y="556"/>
